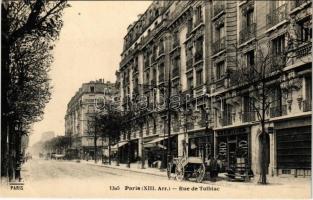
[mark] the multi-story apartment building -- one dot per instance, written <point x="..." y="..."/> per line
<point x="192" y="51"/>
<point x="80" y="116"/>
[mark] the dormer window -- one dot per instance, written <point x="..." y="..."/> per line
<point x="92" y="89"/>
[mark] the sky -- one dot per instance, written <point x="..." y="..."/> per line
<point x="89" y="48"/>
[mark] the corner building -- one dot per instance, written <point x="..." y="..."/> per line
<point x="194" y="46"/>
<point x="80" y="116"/>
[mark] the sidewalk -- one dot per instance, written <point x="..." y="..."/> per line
<point x="221" y="180"/>
<point x="134" y="167"/>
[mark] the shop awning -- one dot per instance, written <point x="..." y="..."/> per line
<point x="118" y="145"/>
<point x="157" y="140"/>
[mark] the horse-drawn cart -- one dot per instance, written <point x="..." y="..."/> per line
<point x="185" y="168"/>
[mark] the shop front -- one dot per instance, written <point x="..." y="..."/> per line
<point x="233" y="148"/>
<point x="128" y="149"/>
<point x="156" y="151"/>
<point x="200" y="144"/>
<point x="293" y="146"/>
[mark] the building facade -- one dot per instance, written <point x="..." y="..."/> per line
<point x="80" y="117"/>
<point x="188" y="53"/>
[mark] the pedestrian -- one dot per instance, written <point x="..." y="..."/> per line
<point x="214" y="168"/>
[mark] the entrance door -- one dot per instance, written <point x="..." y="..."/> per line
<point x="232" y="154"/>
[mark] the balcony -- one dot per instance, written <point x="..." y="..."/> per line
<point x="307" y="105"/>
<point x="304" y="50"/>
<point x="175" y="72"/>
<point x="219" y="45"/>
<point x="198" y="56"/>
<point x="189" y="63"/>
<point x="276" y="16"/>
<point x="247" y="33"/>
<point x="248" y="116"/>
<point x="218" y="8"/>
<point x="278" y="111"/>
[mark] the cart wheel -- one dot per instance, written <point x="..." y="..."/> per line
<point x="169" y="170"/>
<point x="200" y="173"/>
<point x="179" y="172"/>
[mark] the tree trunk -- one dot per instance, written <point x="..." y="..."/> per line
<point x="109" y="145"/>
<point x="128" y="153"/>
<point x="5" y="80"/>
<point x="263" y="142"/>
<point x="95" y="148"/>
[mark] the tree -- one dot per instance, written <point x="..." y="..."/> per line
<point x="109" y="123"/>
<point x="29" y="30"/>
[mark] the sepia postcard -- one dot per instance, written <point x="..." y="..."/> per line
<point x="156" y="99"/>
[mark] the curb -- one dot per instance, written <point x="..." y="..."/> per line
<point x="129" y="170"/>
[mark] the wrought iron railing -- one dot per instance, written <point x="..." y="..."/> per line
<point x="219" y="45"/>
<point x="276" y="16"/>
<point x="303" y="50"/>
<point x="247" y="33"/>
